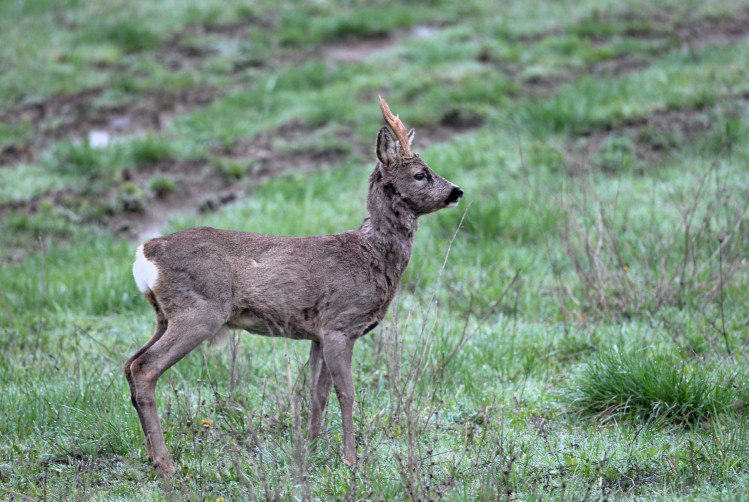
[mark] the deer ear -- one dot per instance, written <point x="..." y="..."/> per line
<point x="386" y="149"/>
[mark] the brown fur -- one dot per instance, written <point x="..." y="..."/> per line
<point x="329" y="289"/>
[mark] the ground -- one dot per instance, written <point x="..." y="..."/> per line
<point x="576" y="330"/>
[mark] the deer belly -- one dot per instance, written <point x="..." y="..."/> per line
<point x="259" y="326"/>
<point x="250" y="323"/>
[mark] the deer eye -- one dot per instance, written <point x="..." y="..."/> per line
<point x="419" y="176"/>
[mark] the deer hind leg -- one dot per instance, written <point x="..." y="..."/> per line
<point x="161" y="325"/>
<point x="320" y="381"/>
<point x="183" y="333"/>
<point x="338" y="350"/>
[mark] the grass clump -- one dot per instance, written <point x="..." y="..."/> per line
<point x="151" y="149"/>
<point x="129" y="34"/>
<point x="639" y="384"/>
<point x="616" y="153"/>
<point x="232" y="169"/>
<point x="81" y="159"/>
<point x="162" y="185"/>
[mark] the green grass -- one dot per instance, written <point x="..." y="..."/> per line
<point x="587" y="337"/>
<point x="655" y="387"/>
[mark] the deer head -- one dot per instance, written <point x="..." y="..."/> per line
<point x="401" y="180"/>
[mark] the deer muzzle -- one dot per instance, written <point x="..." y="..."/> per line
<point x="455" y="195"/>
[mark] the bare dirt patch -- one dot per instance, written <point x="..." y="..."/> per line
<point x="195" y="43"/>
<point x="292" y="146"/>
<point x="696" y="32"/>
<point x="65" y="105"/>
<point x="661" y="27"/>
<point x="730" y="29"/>
<point x="131" y="208"/>
<point x="78" y="117"/>
<point x="358" y="50"/>
<point x="618" y="66"/>
<point x="74" y="116"/>
<point x="454" y="121"/>
<point x="647" y="142"/>
<point x="145" y="215"/>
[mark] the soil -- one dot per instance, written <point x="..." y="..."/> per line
<point x="653" y="138"/>
<point x="715" y="31"/>
<point x="357" y="50"/>
<point x="690" y="33"/>
<point x="76" y="116"/>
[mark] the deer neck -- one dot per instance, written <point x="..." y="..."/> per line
<point x="390" y="229"/>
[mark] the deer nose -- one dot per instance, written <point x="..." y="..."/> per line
<point x="455" y="195"/>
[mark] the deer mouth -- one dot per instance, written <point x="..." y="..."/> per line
<point x="455" y="195"/>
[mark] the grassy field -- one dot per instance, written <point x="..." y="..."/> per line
<point x="587" y="337"/>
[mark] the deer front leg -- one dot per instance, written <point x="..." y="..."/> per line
<point x="319" y="389"/>
<point x="338" y="350"/>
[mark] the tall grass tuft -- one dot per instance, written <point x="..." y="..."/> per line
<point x="151" y="149"/>
<point x="652" y="387"/>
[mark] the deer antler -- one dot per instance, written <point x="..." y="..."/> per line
<point x="397" y="126"/>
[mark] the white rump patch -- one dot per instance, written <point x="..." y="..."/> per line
<point x="145" y="272"/>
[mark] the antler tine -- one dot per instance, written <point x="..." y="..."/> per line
<point x="397" y="126"/>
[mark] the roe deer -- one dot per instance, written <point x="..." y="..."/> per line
<point x="328" y="289"/>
